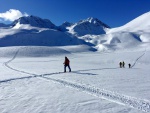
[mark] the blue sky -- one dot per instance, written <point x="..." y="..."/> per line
<point x="114" y="13"/>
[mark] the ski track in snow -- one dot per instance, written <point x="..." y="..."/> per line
<point x="140" y="104"/>
<point x="138" y="59"/>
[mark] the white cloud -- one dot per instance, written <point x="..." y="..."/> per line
<point x="12" y="15"/>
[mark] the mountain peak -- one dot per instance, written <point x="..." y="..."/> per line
<point x="91" y="19"/>
<point x="88" y="26"/>
<point x="35" y="21"/>
<point x="95" y="21"/>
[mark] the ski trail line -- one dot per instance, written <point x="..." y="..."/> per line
<point x="140" y="104"/>
<point x="6" y="64"/>
<point x="31" y="75"/>
<point x="138" y="59"/>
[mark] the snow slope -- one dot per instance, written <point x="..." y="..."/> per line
<point x="43" y="51"/>
<point x="133" y="34"/>
<point x="139" y="27"/>
<point x="96" y="83"/>
<point x="139" y="24"/>
<point x="26" y="35"/>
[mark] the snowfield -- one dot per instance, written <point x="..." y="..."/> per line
<point x="30" y="83"/>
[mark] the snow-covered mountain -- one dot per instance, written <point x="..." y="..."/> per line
<point x="33" y="36"/>
<point x="35" y="21"/>
<point x="88" y="26"/>
<point x="35" y="31"/>
<point x="139" y="27"/>
<point x="133" y="34"/>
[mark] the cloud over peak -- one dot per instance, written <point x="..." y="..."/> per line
<point x="11" y="15"/>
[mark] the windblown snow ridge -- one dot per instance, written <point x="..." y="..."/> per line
<point x="140" y="104"/>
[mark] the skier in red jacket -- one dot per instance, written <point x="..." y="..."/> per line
<point x="67" y="64"/>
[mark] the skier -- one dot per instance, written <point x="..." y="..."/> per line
<point x="120" y="64"/>
<point x="66" y="64"/>
<point x="123" y="64"/>
<point x="129" y="65"/>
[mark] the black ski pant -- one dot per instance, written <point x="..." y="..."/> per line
<point x="68" y="67"/>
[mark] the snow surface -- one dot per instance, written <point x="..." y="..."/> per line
<point x="133" y="34"/>
<point x="31" y="63"/>
<point x="26" y="35"/>
<point x="33" y="83"/>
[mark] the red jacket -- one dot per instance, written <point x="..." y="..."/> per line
<point x="66" y="61"/>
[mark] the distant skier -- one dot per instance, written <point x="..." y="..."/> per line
<point x="67" y="64"/>
<point x="129" y="65"/>
<point x="120" y="64"/>
<point x="123" y="64"/>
